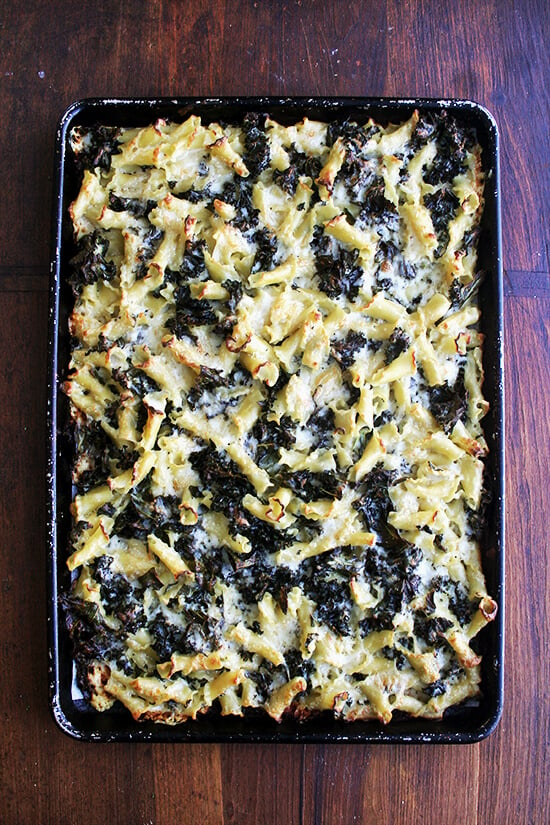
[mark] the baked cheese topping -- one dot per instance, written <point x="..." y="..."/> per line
<point x="275" y="389"/>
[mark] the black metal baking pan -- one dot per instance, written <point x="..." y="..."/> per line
<point x="464" y="724"/>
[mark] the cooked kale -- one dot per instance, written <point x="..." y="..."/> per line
<point x="192" y="265"/>
<point x="301" y="166"/>
<point x="385" y="251"/>
<point x="453" y="143"/>
<point x="97" y="146"/>
<point x="90" y="263"/>
<point x="253" y="581"/>
<point x="310" y="486"/>
<point x="332" y="609"/>
<point x="271" y="436"/>
<point x="194" y="195"/>
<point x="335" y="267"/>
<point x="407" y="269"/>
<point x="224" y="326"/>
<point x="272" y="392"/>
<point x="449" y="403"/>
<point x="398" y="342"/>
<point x="257" y="154"/>
<point x="345" y="350"/>
<point x="377" y="210"/>
<point x="350" y="131"/>
<point x="222" y="476"/>
<point x="235" y="289"/>
<point x="267" y="250"/>
<point x="134" y="379"/>
<point x="325" y="580"/>
<point x="91" y="637"/>
<point x="424" y="130"/>
<point x="136" y="207"/>
<point x="442" y="206"/>
<point x="431" y="629"/>
<point x="207" y="379"/>
<point x="391" y="566"/>
<point x="118" y="595"/>
<point x="321" y="426"/>
<point x="138" y="518"/>
<point x="103" y="457"/>
<point x="169" y="638"/>
<point x="151" y="242"/>
<point x="477" y="519"/>
<point x="190" y="312"/>
<point x="470" y="239"/>
<point x="395" y="655"/>
<point x="238" y="193"/>
<point x="374" y="502"/>
<point x="435" y="688"/>
<point x="357" y="174"/>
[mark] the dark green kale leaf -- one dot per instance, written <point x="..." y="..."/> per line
<point x="345" y="350"/>
<point x="207" y="379"/>
<point x="102" y="457"/>
<point x="301" y="166"/>
<point x="195" y="195"/>
<point x="336" y="267"/>
<point x="256" y="143"/>
<point x="136" y="380"/>
<point x="328" y="586"/>
<point x="431" y="629"/>
<point x="459" y="600"/>
<point x="453" y="143"/>
<point x="150" y="244"/>
<point x="192" y="265"/>
<point x="398" y="342"/>
<point x="267" y="249"/>
<point x="477" y="519"/>
<point x="351" y="132"/>
<point x="169" y="638"/>
<point x="235" y="289"/>
<point x="377" y="210"/>
<point x="395" y="655"/>
<point x="442" y="205"/>
<point x="449" y="403"/>
<point x="271" y="436"/>
<point x="374" y="502"/>
<point x="96" y="147"/>
<point x="311" y="486"/>
<point x="190" y="312"/>
<point x="425" y="130"/>
<point x="436" y="688"/>
<point x="238" y="193"/>
<point x="138" y="519"/>
<point x="357" y="174"/>
<point x="222" y="476"/>
<point x="117" y="594"/>
<point x="136" y="207"/>
<point x="92" y="638"/>
<point x="90" y="264"/>
<point x="321" y="426"/>
<point x="385" y="251"/>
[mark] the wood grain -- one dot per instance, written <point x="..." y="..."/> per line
<point x="52" y="53"/>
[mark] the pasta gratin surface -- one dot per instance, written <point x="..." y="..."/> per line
<point x="275" y="393"/>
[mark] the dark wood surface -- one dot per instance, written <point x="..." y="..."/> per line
<point x="52" y="53"/>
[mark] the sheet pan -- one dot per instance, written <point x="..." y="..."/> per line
<point x="465" y="724"/>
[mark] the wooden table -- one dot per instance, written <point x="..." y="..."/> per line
<point x="52" y="53"/>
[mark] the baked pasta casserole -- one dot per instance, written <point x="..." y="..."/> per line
<point x="275" y="393"/>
